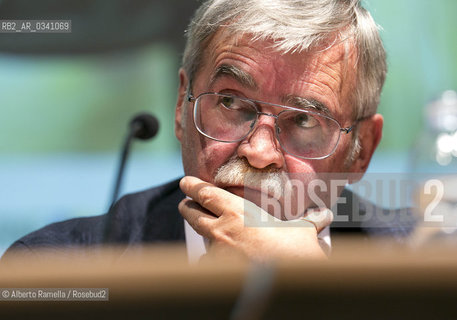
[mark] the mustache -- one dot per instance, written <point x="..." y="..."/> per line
<point x="238" y="172"/>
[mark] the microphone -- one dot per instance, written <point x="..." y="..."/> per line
<point x="143" y="126"/>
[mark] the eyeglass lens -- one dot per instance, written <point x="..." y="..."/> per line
<point x="301" y="133"/>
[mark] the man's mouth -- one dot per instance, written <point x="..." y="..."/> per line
<point x="237" y="190"/>
<point x="250" y="193"/>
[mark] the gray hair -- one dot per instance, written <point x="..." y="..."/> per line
<point x="297" y="26"/>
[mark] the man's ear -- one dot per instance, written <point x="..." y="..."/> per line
<point x="180" y="103"/>
<point x="370" y="133"/>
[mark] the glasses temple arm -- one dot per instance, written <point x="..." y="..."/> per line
<point x="190" y="97"/>
<point x="349" y="129"/>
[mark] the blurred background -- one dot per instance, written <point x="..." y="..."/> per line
<point x="66" y="100"/>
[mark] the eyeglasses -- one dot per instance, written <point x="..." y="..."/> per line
<point x="302" y="133"/>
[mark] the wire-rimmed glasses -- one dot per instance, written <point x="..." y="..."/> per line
<point x="303" y="133"/>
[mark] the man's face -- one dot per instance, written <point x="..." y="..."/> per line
<point x="326" y="76"/>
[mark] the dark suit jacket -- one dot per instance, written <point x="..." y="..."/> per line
<point x="152" y="216"/>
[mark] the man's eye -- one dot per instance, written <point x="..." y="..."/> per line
<point x="304" y="120"/>
<point x="227" y="102"/>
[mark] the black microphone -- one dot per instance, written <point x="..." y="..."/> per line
<point x="143" y="126"/>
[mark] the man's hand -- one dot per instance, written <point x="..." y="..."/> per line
<point x="219" y="216"/>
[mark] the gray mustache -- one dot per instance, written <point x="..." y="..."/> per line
<point x="238" y="172"/>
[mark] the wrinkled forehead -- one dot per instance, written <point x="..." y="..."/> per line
<point x="335" y="48"/>
<point x="335" y="52"/>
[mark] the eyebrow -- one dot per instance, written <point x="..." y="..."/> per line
<point x="303" y="103"/>
<point x="244" y="78"/>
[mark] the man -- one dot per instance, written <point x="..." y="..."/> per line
<point x="271" y="94"/>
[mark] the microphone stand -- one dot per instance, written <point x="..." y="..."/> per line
<point x="143" y="126"/>
<point x="125" y="152"/>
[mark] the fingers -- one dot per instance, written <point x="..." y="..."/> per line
<point x="319" y="217"/>
<point x="207" y="203"/>
<point x="210" y="202"/>
<point x="198" y="217"/>
<point x="210" y="197"/>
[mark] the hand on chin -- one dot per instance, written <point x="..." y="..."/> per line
<point x="219" y="216"/>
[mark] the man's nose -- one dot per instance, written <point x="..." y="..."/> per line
<point x="261" y="147"/>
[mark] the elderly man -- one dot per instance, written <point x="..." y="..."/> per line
<point x="272" y="95"/>
<point x="274" y="87"/>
